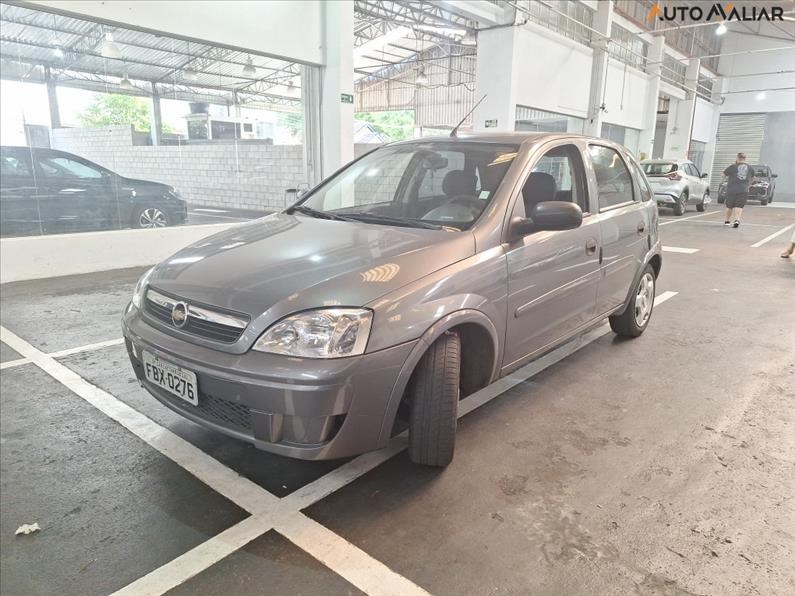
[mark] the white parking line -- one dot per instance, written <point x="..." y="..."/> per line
<point x="69" y="352"/>
<point x="207" y="210"/>
<point x="347" y="560"/>
<point x="681" y="219"/>
<point x="774" y="235"/>
<point x="686" y="251"/>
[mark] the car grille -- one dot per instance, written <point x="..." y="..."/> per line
<point x="200" y="321"/>
<point x="216" y="409"/>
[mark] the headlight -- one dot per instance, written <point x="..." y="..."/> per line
<point x="322" y="333"/>
<point x="140" y="288"/>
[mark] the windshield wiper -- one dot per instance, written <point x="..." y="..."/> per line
<point x="319" y="214"/>
<point x="398" y="221"/>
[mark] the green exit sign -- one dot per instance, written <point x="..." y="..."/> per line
<point x="346" y="98"/>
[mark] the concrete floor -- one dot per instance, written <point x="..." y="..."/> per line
<point x="662" y="465"/>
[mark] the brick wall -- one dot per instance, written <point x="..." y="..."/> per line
<point x="243" y="175"/>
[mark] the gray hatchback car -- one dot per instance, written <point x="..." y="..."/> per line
<point x="411" y="278"/>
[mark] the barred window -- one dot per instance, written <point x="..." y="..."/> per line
<point x="627" y="47"/>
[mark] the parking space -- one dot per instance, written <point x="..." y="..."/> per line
<point x="659" y="465"/>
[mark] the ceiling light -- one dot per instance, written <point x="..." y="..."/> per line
<point x="249" y="68"/>
<point x="188" y="75"/>
<point x="126" y="84"/>
<point x="109" y="49"/>
<point x="58" y="53"/>
<point x="722" y="28"/>
<point x="421" y="79"/>
<point x="761" y="95"/>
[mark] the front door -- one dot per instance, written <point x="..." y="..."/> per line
<point x="624" y="224"/>
<point x="19" y="208"/>
<point x="79" y="195"/>
<point x="552" y="276"/>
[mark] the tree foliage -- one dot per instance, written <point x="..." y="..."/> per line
<point x="108" y="109"/>
<point x="397" y="125"/>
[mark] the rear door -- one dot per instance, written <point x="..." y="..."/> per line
<point x="78" y="195"/>
<point x="19" y="210"/>
<point x="552" y="275"/>
<point x="623" y="221"/>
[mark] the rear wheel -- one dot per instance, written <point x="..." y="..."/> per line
<point x="763" y="202"/>
<point x="702" y="206"/>
<point x="681" y="204"/>
<point x="433" y="403"/>
<point x="634" y="320"/>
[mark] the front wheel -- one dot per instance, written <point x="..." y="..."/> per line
<point x="702" y="206"/>
<point x="721" y="200"/>
<point x="634" y="320"/>
<point x="433" y="403"/>
<point x="150" y="217"/>
<point x="681" y="204"/>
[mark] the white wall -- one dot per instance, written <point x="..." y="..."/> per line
<point x="625" y="95"/>
<point x="703" y="121"/>
<point x="282" y="28"/>
<point x="40" y="257"/>
<point x="749" y="86"/>
<point x="552" y="72"/>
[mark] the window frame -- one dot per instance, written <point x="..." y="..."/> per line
<point x="629" y="172"/>
<point x="39" y="156"/>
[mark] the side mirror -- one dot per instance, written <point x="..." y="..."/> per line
<point x="547" y="215"/>
<point x="704" y="175"/>
<point x="775" y="175"/>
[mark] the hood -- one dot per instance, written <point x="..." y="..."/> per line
<point x="300" y="262"/>
<point x="144" y="186"/>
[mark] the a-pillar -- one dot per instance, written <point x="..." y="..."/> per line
<point x="653" y="70"/>
<point x="602" y="22"/>
<point x="495" y="78"/>
<point x="680" y="116"/>
<point x="336" y="89"/>
<point x="52" y="100"/>
<point x="156" y="123"/>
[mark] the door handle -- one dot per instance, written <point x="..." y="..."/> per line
<point x="641" y="227"/>
<point x="590" y="247"/>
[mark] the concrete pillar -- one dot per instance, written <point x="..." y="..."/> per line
<point x="495" y="77"/>
<point x="336" y="114"/>
<point x="310" y="102"/>
<point x="680" y="118"/>
<point x="602" y="22"/>
<point x="52" y="100"/>
<point x="156" y="117"/>
<point x="653" y="70"/>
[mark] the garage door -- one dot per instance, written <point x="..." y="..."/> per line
<point x="737" y="133"/>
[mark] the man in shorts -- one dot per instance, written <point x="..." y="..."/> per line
<point x="739" y="175"/>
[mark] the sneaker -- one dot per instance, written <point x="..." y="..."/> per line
<point x="727" y="223"/>
<point x="736" y="223"/>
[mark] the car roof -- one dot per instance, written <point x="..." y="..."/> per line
<point x="665" y="161"/>
<point x="507" y="138"/>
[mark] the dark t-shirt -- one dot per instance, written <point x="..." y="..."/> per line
<point x="739" y="175"/>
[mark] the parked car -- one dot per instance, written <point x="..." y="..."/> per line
<point x="44" y="191"/>
<point x="762" y="188"/>
<point x="413" y="277"/>
<point x="677" y="183"/>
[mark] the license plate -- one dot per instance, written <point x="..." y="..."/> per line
<point x="172" y="378"/>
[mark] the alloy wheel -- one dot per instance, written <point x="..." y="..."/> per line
<point x="152" y="217"/>
<point x="644" y="300"/>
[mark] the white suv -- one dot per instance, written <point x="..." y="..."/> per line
<point x="677" y="182"/>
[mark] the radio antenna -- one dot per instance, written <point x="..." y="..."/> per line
<point x="454" y="132"/>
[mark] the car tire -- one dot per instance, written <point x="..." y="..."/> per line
<point x="763" y="202"/>
<point x="702" y="206"/>
<point x="721" y="200"/>
<point x="433" y="394"/>
<point x="634" y="320"/>
<point x="151" y="216"/>
<point x="681" y="204"/>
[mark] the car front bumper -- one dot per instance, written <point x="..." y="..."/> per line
<point x="298" y="407"/>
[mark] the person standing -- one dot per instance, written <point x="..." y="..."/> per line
<point x="740" y="176"/>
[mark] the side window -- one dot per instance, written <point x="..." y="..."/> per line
<point x="694" y="171"/>
<point x="612" y="177"/>
<point x="557" y="176"/>
<point x="63" y="166"/>
<point x="14" y="168"/>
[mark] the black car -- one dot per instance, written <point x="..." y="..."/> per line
<point x="45" y="191"/>
<point x="762" y="188"/>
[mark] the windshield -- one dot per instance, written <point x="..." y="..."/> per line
<point x="432" y="185"/>
<point x="658" y="169"/>
<point x="761" y="171"/>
